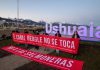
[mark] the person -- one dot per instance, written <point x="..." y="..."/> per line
<point x="12" y="36"/>
<point x="45" y="33"/>
<point x="58" y="35"/>
<point x="17" y="31"/>
<point x="0" y="37"/>
<point x="34" y="32"/>
<point x="45" y="49"/>
<point x="26" y="31"/>
<point x="36" y="46"/>
<point x="3" y="36"/>
<point x="75" y="35"/>
<point x="37" y="32"/>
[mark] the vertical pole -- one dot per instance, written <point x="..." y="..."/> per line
<point x="17" y="13"/>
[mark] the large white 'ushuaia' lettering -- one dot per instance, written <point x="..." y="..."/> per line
<point x="84" y="31"/>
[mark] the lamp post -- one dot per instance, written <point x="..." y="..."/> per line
<point x="17" y="13"/>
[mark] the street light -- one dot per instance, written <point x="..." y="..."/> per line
<point x="17" y="13"/>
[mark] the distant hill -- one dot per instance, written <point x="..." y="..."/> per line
<point x="14" y="21"/>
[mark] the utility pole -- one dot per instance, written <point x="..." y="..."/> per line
<point x="17" y="13"/>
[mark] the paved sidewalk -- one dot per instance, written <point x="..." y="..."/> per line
<point x="13" y="61"/>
